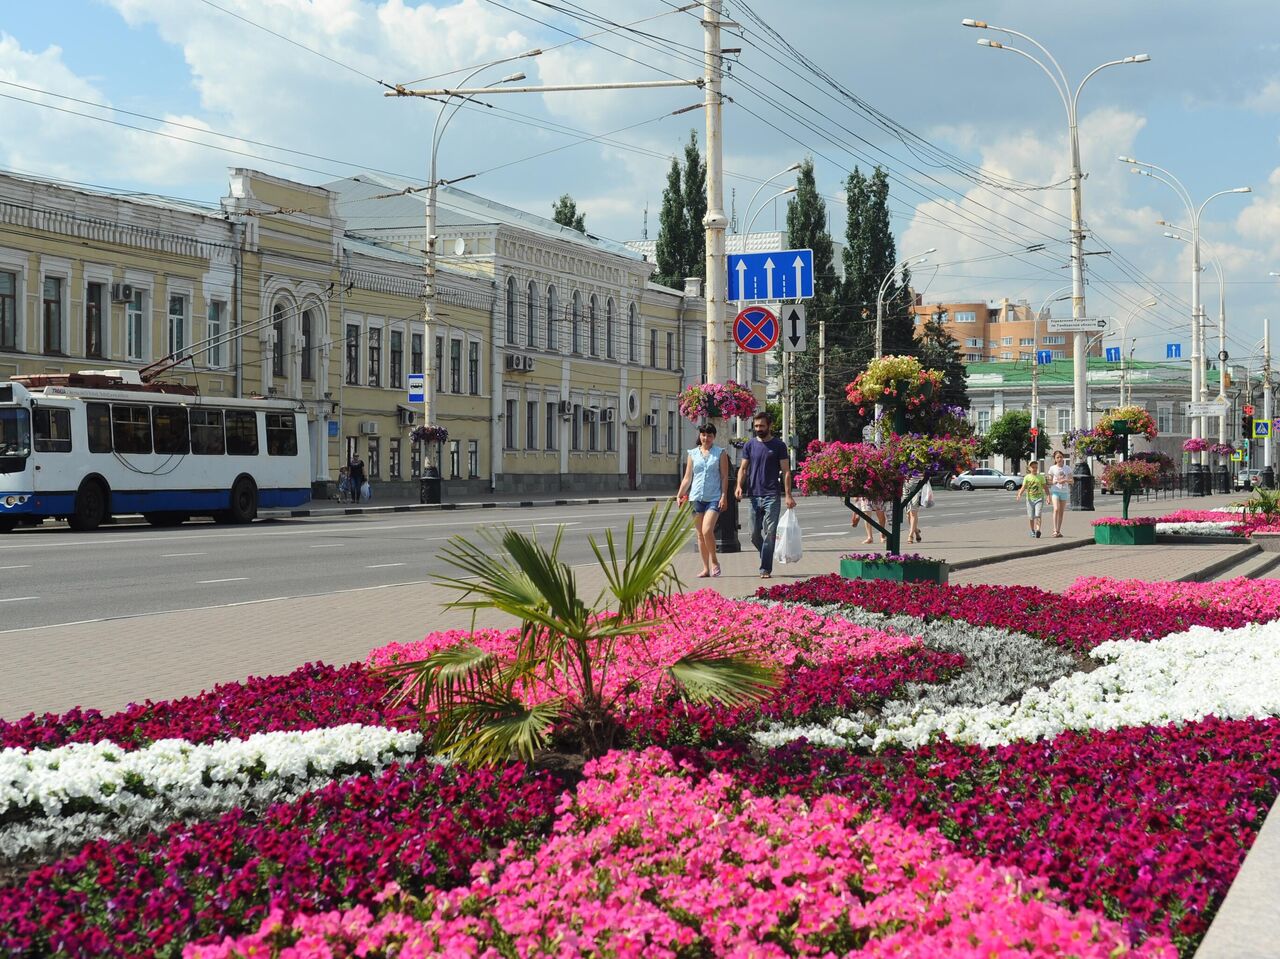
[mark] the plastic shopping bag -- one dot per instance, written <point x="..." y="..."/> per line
<point x="789" y="546"/>
<point x="926" y="495"/>
<point x="366" y="492"/>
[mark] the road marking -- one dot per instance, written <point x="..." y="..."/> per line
<point x="326" y="546"/>
<point x="384" y="565"/>
<point x="28" y="566"/>
<point x="18" y="599"/>
<point x="233" y="579"/>
<point x="175" y="555"/>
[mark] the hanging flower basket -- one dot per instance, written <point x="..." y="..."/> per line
<point x="705" y="401"/>
<point x="429" y="434"/>
<point x="1136" y="419"/>
<point x="1195" y="444"/>
<point x="893" y="381"/>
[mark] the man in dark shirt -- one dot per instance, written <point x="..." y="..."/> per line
<point x="764" y="475"/>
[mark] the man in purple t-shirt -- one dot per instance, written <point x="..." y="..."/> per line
<point x="765" y="474"/>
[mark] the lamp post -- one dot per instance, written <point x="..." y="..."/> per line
<point x="1199" y="393"/>
<point x="1124" y="326"/>
<point x="1070" y="100"/>
<point x="913" y="260"/>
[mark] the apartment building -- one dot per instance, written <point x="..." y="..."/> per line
<point x="1002" y="333"/>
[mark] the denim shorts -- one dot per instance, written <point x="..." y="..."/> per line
<point x="701" y="506"/>
<point x="1060" y="492"/>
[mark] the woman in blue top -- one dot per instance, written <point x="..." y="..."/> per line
<point x="706" y="488"/>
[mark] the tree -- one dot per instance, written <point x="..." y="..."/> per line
<point x="869" y="258"/>
<point x="681" y="247"/>
<point x="1010" y="437"/>
<point x="565" y="212"/>
<point x="939" y="350"/>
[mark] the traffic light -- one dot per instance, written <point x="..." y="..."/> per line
<point x="1246" y="424"/>
<point x="1248" y="409"/>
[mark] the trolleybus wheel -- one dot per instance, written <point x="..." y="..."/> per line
<point x="244" y="501"/>
<point x="91" y="506"/>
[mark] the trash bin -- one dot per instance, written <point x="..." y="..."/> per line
<point x="1223" y="478"/>
<point x="1267" y="478"/>
<point x="1081" y="486"/>
<point x="429" y="485"/>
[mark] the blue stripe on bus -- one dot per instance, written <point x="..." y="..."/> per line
<point x="159" y="501"/>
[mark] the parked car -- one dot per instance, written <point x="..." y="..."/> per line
<point x="985" y="479"/>
<point x="1247" y="478"/>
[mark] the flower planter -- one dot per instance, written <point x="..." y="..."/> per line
<point x="910" y="571"/>
<point x="1144" y="535"/>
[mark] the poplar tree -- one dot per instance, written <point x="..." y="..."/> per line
<point x="681" y="246"/>
<point x="672" y="249"/>
<point x="565" y="212"/>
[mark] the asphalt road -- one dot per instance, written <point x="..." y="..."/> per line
<point x="52" y="576"/>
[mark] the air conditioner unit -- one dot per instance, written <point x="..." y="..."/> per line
<point x="528" y="364"/>
<point x="512" y="362"/>
<point x="566" y="408"/>
<point x="369" y="427"/>
<point x="606" y="415"/>
<point x="651" y="419"/>
<point x="589" y="415"/>
<point x="121" y="292"/>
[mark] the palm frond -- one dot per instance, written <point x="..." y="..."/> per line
<point x="646" y="569"/>
<point x="464" y="666"/>
<point x="733" y="680"/>
<point x="493" y="729"/>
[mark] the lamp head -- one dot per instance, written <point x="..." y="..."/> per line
<point x="793" y="168"/>
<point x="977" y="24"/>
<point x="994" y="44"/>
<point x="1139" y="58"/>
<point x="790" y="189"/>
<point x="1126" y="159"/>
<point x="1243" y="189"/>
<point x="512" y="78"/>
<point x="1151" y="302"/>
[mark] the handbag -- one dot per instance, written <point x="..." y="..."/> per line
<point x="789" y="546"/>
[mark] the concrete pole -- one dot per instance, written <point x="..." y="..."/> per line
<point x="1222" y="355"/>
<point x="1266" y="391"/>
<point x="715" y="222"/>
<point x="1197" y="371"/>
<point x="822" y="379"/>
<point x="1079" y="359"/>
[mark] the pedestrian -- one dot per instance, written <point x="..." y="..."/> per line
<point x="706" y="488"/>
<point x="878" y="508"/>
<point x="765" y="474"/>
<point x="1033" y="484"/>
<point x="1059" y="490"/>
<point x="344" y="484"/>
<point x="355" y="472"/>
<point x="912" y="508"/>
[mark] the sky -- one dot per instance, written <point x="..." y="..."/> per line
<point x="164" y="96"/>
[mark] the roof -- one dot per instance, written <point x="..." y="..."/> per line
<point x="1061" y="373"/>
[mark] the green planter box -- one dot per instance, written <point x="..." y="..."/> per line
<point x="912" y="571"/>
<point x="1124" y="535"/>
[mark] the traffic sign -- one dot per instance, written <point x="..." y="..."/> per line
<point x="417" y="388"/>
<point x="1113" y="354"/>
<point x="791" y="317"/>
<point x="1173" y="351"/>
<point x="778" y="275"/>
<point x="1262" y="429"/>
<point x="1073" y="324"/>
<point x="756" y="329"/>
<point x="1237" y="456"/>
<point x="1206" y="409"/>
<point x="1044" y="357"/>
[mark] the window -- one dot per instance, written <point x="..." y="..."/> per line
<point x="393" y="458"/>
<point x="671" y="351"/>
<point x="1164" y="419"/>
<point x="1006" y="355"/>
<point x="551" y="425"/>
<point x="178" y="325"/>
<point x="172" y="435"/>
<point x="575" y="436"/>
<point x="551" y="317"/>
<point x="396" y="379"/>
<point x="610" y="438"/>
<point x="964" y="316"/>
<point x="608" y="328"/>
<point x="511" y="309"/>
<point x="207" y="438"/>
<point x="415" y="460"/>
<point x="510" y="424"/>
<point x="1026" y="341"/>
<point x="984" y="422"/>
<point x="375" y="458"/>
<point x="242" y="433"/>
<point x="593" y="434"/>
<point x="135" y="326"/>
<point x="53" y="314"/>
<point x="576" y="322"/>
<point x="531" y="314"/>
<point x="1056" y="340"/>
<point x="282" y="438"/>
<point x="593" y="341"/>
<point x="973" y="342"/>
<point x="52" y="430"/>
<point x="653" y="431"/>
<point x="653" y="348"/>
<point x="375" y="357"/>
<point x="98" y="422"/>
<point x="453" y="459"/>
<point x="1064" y="420"/>
<point x="308" y="333"/>
<point x="1006" y="341"/>
<point x="1059" y="354"/>
<point x="671" y="431"/>
<point x="531" y="424"/>
<point x="277" y="340"/>
<point x="8" y="310"/>
<point x="353" y="354"/>
<point x="439" y="364"/>
<point x="93" y="313"/>
<point x="415" y="353"/>
<point x="216" y="317"/>
<point x="473" y="459"/>
<point x="633" y="335"/>
<point x="131" y="428"/>
<point x="473" y="368"/>
<point x="455" y="366"/>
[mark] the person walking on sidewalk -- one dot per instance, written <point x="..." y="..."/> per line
<point x="1033" y="484"/>
<point x="1059" y="490"/>
<point x="706" y="488"/>
<point x="355" y="473"/>
<point x="765" y="474"/>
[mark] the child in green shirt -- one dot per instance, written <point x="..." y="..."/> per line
<point x="1033" y="484"/>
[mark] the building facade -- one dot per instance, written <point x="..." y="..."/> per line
<point x="1006" y="332"/>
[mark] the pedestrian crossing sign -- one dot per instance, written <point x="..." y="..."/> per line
<point x="1262" y="429"/>
<point x="1237" y="456"/>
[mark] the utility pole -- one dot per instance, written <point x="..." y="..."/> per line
<point x="714" y="222"/>
<point x="1268" y="474"/>
<point x="822" y="378"/>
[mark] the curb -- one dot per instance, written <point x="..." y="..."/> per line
<point x="441" y="507"/>
<point x="1019" y="554"/>
<point x="1221" y="566"/>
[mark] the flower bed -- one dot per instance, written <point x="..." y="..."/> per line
<point x="1257" y="599"/>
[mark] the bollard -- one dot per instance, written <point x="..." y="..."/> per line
<point x="1267" y="478"/>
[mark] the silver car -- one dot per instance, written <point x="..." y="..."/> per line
<point x="1247" y="478"/>
<point x="985" y="479"/>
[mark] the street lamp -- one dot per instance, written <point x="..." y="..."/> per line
<point x="1035" y="349"/>
<point x="1199" y="392"/>
<point x="1070" y="100"/>
<point x="914" y="260"/>
<point x="1124" y="326"/>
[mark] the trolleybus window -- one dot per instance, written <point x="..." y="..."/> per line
<point x="170" y="426"/>
<point x="53" y="430"/>
<point x="242" y="433"/>
<point x="15" y="438"/>
<point x="98" y="421"/>
<point x="282" y="438"/>
<point x="131" y="428"/>
<point x="206" y="433"/>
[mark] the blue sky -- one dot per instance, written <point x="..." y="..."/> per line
<point x="1207" y="107"/>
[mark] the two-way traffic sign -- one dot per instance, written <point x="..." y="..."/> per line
<point x="793" y="338"/>
<point x="778" y="275"/>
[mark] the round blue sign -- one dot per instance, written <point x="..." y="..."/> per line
<point x="756" y="329"/>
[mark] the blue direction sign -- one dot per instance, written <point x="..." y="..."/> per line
<point x="1173" y="351"/>
<point x="756" y="329"/>
<point x="780" y="275"/>
<point x="1044" y="357"/>
<point x="417" y="388"/>
<point x="1113" y="354"/>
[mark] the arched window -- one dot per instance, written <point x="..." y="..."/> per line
<point x="633" y="335"/>
<point x="531" y="319"/>
<point x="277" y="346"/>
<point x="608" y="328"/>
<point x="308" y="332"/>
<point x="511" y="309"/>
<point x="594" y="343"/>
<point x="577" y="322"/>
<point x="551" y="317"/>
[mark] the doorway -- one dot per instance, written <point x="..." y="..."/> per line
<point x="633" y="445"/>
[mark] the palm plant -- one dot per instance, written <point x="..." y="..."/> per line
<point x="479" y="700"/>
<point x="1265" y="502"/>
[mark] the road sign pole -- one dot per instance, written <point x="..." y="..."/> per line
<point x="714" y="222"/>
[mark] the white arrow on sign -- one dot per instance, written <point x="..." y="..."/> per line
<point x="799" y="265"/>
<point x="742" y="278"/>
<point x="768" y="279"/>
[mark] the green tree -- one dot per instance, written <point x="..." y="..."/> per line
<point x="807" y="228"/>
<point x="870" y="255"/>
<point x="938" y="350"/>
<point x="565" y="212"/>
<point x="1010" y="437"/>
<point x="681" y="246"/>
